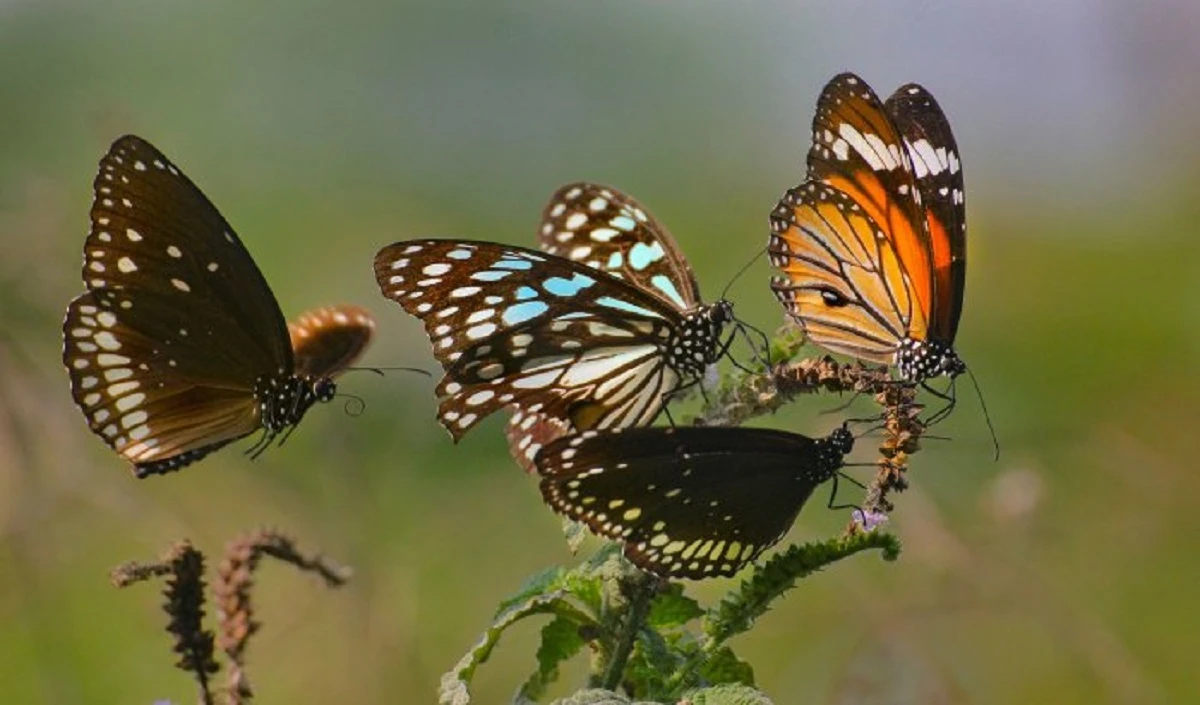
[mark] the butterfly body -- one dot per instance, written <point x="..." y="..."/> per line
<point x="688" y="502"/>
<point x="872" y="246"/>
<point x="178" y="346"/>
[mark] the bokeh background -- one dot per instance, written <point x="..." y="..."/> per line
<point x="1065" y="572"/>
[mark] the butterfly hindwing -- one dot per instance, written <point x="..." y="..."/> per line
<point x="837" y="273"/>
<point x="688" y="502"/>
<point x="607" y="229"/>
<point x="327" y="340"/>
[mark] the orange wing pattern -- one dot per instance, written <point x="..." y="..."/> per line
<point x="872" y="245"/>
<point x="327" y="340"/>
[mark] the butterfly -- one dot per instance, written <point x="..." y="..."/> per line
<point x="689" y="502"/>
<point x="872" y="246"/>
<point x="576" y="224"/>
<point x="518" y="327"/>
<point x="178" y="347"/>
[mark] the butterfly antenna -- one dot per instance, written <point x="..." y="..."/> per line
<point x="380" y="370"/>
<point x="354" y="406"/>
<point x="742" y="271"/>
<point x="986" y="416"/>
<point x="764" y="358"/>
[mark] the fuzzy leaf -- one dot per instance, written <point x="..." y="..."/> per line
<point x="724" y="667"/>
<point x="560" y="641"/>
<point x="453" y="689"/>
<point x="737" y="612"/>
<point x="541" y="583"/>
<point x="594" y="696"/>
<point x="725" y="695"/>
<point x="575" y="532"/>
<point x="671" y="608"/>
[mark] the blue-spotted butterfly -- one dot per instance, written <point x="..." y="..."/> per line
<point x="178" y="346"/>
<point x="872" y="246"/>
<point x="689" y="502"/>
<point x="515" y="327"/>
<point x="577" y="224"/>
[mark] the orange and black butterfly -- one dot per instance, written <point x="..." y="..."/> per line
<point x="872" y="246"/>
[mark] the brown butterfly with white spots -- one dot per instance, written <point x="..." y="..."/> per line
<point x="178" y="346"/>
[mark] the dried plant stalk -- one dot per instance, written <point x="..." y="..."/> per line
<point x="232" y="587"/>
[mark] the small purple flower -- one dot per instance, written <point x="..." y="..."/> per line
<point x="869" y="520"/>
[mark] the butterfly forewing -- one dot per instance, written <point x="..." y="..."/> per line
<point x="607" y="229"/>
<point x="937" y="172"/>
<point x="155" y="233"/>
<point x="327" y="340"/>
<point x="516" y="326"/>
<point x="688" y="502"/>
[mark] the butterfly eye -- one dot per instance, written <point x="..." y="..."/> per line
<point x="833" y="298"/>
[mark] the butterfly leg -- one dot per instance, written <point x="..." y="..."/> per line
<point x="263" y="442"/>
<point x="833" y="492"/>
<point x="950" y="399"/>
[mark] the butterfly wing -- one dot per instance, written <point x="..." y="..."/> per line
<point x="852" y="241"/>
<point x="327" y="340"/>
<point x="688" y="502"/>
<point x="164" y="348"/>
<point x="607" y="229"/>
<point x="937" y="171"/>
<point x="839" y="274"/>
<point x="516" y="326"/>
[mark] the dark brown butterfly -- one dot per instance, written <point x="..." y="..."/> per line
<point x="689" y="502"/>
<point x="178" y="346"/>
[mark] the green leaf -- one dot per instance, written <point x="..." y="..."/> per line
<point x="672" y="609"/>
<point x="560" y="641"/>
<point x="453" y="689"/>
<point x="724" y="667"/>
<point x="538" y="584"/>
<point x="737" y="612"/>
<point x="726" y="695"/>
<point x="575" y="532"/>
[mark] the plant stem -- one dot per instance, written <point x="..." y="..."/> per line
<point x="643" y="590"/>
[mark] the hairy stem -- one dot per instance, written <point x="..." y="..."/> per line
<point x="642" y="588"/>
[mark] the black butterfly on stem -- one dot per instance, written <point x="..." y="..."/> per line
<point x="178" y="346"/>
<point x="689" y="502"/>
<point x="563" y="341"/>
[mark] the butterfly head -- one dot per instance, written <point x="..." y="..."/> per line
<point x="919" y="360"/>
<point x="841" y="442"/>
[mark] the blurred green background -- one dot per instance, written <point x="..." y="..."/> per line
<point x="1063" y="573"/>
